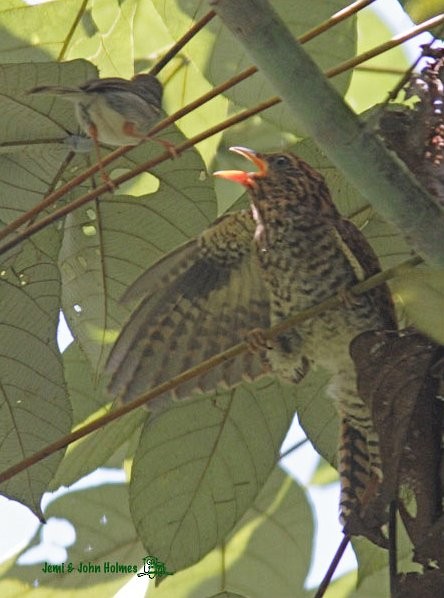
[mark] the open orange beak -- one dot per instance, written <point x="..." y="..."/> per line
<point x="239" y="176"/>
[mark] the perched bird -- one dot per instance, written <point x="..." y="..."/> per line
<point x="112" y="110"/>
<point x="253" y="268"/>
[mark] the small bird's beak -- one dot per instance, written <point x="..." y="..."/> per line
<point x="248" y="179"/>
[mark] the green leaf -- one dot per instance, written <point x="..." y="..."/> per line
<point x="35" y="33"/>
<point x="342" y="586"/>
<point x="324" y="474"/>
<point x="95" y="450"/>
<point x="220" y="57"/>
<point x="421" y="10"/>
<point x="201" y="464"/>
<point x="103" y="534"/>
<point x="420" y="293"/>
<point x="87" y="393"/>
<point x="108" y="243"/>
<point x="90" y="400"/>
<point x="372" y="80"/>
<point x="35" y="409"/>
<point x="33" y="399"/>
<point x="106" y="37"/>
<point x="263" y="556"/>
<point x="317" y="414"/>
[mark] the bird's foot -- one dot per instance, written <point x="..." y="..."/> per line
<point x="92" y="132"/>
<point x="170" y="147"/>
<point x="257" y="340"/>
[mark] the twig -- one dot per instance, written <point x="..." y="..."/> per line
<point x="396" y="41"/>
<point x="393" y="556"/>
<point x="200" y="24"/>
<point x="332" y="568"/>
<point x="338" y="17"/>
<point x="293" y="448"/>
<point x="331" y="303"/>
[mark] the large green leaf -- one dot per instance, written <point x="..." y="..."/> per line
<point x="34" y="406"/>
<point x="375" y="78"/>
<point x="36" y="33"/>
<point x="33" y="133"/>
<point x="201" y="464"/>
<point x="90" y="401"/>
<point x="220" y="57"/>
<point x="267" y="554"/>
<point x="421" y="294"/>
<point x="420" y="10"/>
<point x="87" y="392"/>
<point x="103" y="534"/>
<point x="107" y="244"/>
<point x="105" y="35"/>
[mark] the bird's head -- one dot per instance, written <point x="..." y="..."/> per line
<point x="282" y="183"/>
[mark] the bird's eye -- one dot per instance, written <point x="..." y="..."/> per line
<point x="281" y="161"/>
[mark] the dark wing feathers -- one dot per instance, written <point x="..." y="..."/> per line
<point x="195" y="304"/>
<point x="364" y="255"/>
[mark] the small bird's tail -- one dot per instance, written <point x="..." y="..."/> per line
<point x="56" y="90"/>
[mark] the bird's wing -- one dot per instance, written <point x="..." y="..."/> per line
<point x="365" y="263"/>
<point x="207" y="295"/>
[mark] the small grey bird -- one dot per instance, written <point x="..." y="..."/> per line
<point x="113" y="110"/>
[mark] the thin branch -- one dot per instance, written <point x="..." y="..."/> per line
<point x="379" y="174"/>
<point x="392" y="43"/>
<point x="203" y="367"/>
<point x="380" y="70"/>
<point x="293" y="448"/>
<point x="332" y="568"/>
<point x="393" y="552"/>
<point x="338" y="17"/>
<point x="200" y="24"/>
<point x="70" y="33"/>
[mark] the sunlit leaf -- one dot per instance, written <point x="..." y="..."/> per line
<point x="104" y="536"/>
<point x="420" y="10"/>
<point x="267" y="554"/>
<point x="36" y="33"/>
<point x="200" y="465"/>
<point x="34" y="405"/>
<point x="220" y="56"/>
<point x="421" y="294"/>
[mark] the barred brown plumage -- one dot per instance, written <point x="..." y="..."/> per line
<point x="253" y="268"/>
